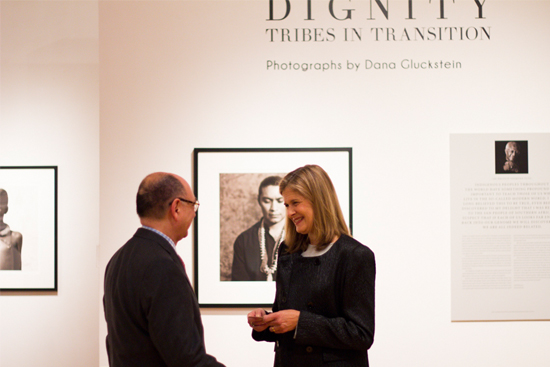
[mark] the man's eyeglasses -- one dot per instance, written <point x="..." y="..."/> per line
<point x="195" y="203"/>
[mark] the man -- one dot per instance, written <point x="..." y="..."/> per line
<point x="512" y="152"/>
<point x="11" y="242"/>
<point x="152" y="313"/>
<point x="255" y="250"/>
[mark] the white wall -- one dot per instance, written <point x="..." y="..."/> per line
<point x="50" y="116"/>
<point x="180" y="75"/>
<point x="183" y="74"/>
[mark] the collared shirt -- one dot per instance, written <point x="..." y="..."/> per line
<point x="163" y="235"/>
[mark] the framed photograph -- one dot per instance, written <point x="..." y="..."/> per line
<point x="240" y="223"/>
<point x="28" y="228"/>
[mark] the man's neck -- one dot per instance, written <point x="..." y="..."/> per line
<point x="275" y="228"/>
<point x="159" y="225"/>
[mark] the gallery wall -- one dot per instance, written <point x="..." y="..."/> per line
<point x="111" y="91"/>
<point x="182" y="75"/>
<point x="50" y="117"/>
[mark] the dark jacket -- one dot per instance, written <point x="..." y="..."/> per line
<point x="247" y="257"/>
<point x="152" y="314"/>
<point x="334" y="293"/>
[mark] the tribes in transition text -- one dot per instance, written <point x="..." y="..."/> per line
<point x="378" y="34"/>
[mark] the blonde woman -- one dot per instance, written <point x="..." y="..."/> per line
<point x="324" y="305"/>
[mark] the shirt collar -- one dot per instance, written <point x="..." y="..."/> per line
<point x="162" y="235"/>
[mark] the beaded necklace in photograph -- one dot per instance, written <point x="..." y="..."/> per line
<point x="5" y="236"/>
<point x="269" y="270"/>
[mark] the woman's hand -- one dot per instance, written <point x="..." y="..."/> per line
<point x="282" y="321"/>
<point x="256" y="319"/>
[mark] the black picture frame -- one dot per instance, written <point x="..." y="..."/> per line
<point x="210" y="165"/>
<point x="32" y="195"/>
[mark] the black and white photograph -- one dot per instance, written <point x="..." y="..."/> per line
<point x="28" y="228"/>
<point x="511" y="156"/>
<point x="11" y="242"/>
<point x="252" y="221"/>
<point x="240" y="224"/>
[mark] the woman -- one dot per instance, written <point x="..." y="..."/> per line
<point x="324" y="305"/>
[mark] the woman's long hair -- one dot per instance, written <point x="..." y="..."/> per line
<point x="314" y="184"/>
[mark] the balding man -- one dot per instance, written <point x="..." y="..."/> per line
<point x="152" y="313"/>
<point x="11" y="243"/>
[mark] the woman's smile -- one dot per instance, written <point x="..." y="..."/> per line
<point x="299" y="210"/>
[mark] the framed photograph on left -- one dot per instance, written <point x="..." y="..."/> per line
<point x="28" y="228"/>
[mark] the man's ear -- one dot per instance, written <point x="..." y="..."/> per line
<point x="173" y="209"/>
